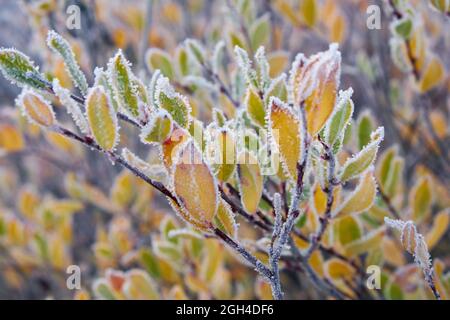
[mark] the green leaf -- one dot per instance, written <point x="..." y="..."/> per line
<point x="173" y="102"/>
<point x="60" y="46"/>
<point x="158" y="129"/>
<point x="121" y="79"/>
<point x="356" y="165"/>
<point x="255" y="107"/>
<point x="103" y="290"/>
<point x="366" y="125"/>
<point x="19" y="69"/>
<point x="336" y="126"/>
<point x="260" y="31"/>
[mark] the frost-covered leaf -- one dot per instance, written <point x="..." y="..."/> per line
<point x="60" y="46"/>
<point x="245" y="66"/>
<point x="314" y="83"/>
<point x="361" y="161"/>
<point x="125" y="91"/>
<point x="101" y="79"/>
<point x="174" y="103"/>
<point x="170" y="146"/>
<point x="225" y="219"/>
<point x="158" y="59"/>
<point x="196" y="50"/>
<point x="250" y="181"/>
<point x="414" y="243"/>
<point x="421" y="199"/>
<point x="285" y="129"/>
<point x="19" y="69"/>
<point x="362" y="197"/>
<point x="158" y="129"/>
<point x="194" y="184"/>
<point x="278" y="61"/>
<point x="277" y="89"/>
<point x="224" y="152"/>
<point x="72" y="106"/>
<point x="255" y="107"/>
<point x="155" y="172"/>
<point x="102" y="118"/>
<point x="336" y="126"/>
<point x="35" y="108"/>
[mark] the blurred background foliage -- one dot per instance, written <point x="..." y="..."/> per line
<point x="61" y="204"/>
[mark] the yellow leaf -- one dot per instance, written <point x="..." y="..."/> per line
<point x="392" y="252"/>
<point x="11" y="139"/>
<point x="36" y="109"/>
<point x="420" y="199"/>
<point x="102" y="118"/>
<point x="285" y="131"/>
<point x="320" y="200"/>
<point x="225" y="149"/>
<point x="362" y="198"/>
<point x="308" y="9"/>
<point x="366" y="243"/>
<point x="226" y="220"/>
<point x="432" y="76"/>
<point x="439" y="123"/>
<point x="338" y="269"/>
<point x="277" y="61"/>
<point x="194" y="184"/>
<point x="337" y="29"/>
<point x="440" y="226"/>
<point x="170" y="146"/>
<point x="250" y="182"/>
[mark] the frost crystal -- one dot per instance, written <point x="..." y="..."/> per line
<point x="245" y="66"/>
<point x="72" y="106"/>
<point x="414" y="243"/>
